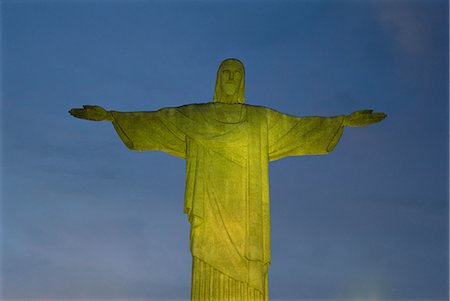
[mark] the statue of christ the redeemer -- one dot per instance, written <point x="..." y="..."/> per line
<point x="227" y="146"/>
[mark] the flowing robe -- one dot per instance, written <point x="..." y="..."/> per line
<point x="227" y="182"/>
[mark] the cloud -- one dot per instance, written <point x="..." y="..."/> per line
<point x="402" y="20"/>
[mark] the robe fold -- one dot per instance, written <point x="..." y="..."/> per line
<point x="227" y="182"/>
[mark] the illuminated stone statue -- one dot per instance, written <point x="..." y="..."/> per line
<point x="227" y="146"/>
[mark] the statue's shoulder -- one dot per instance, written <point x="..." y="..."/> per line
<point x="261" y="110"/>
<point x="194" y="109"/>
<point x="195" y="106"/>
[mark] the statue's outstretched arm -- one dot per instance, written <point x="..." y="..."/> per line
<point x="364" y="117"/>
<point x="150" y="130"/>
<point x="94" y="113"/>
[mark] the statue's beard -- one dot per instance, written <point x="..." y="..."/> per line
<point x="229" y="92"/>
<point x="230" y="89"/>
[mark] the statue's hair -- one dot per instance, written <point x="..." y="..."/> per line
<point x="241" y="88"/>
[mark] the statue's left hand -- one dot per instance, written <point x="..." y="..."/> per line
<point x="362" y="118"/>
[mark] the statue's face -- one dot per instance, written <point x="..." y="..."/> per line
<point x="231" y="76"/>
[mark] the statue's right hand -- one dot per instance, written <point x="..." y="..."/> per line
<point x="95" y="113"/>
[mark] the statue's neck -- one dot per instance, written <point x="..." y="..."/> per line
<point x="230" y="99"/>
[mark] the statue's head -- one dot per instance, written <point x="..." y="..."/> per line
<point x="230" y="82"/>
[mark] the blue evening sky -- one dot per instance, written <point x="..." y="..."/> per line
<point x="83" y="217"/>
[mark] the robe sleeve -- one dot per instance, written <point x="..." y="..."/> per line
<point x="296" y="136"/>
<point x="150" y="131"/>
